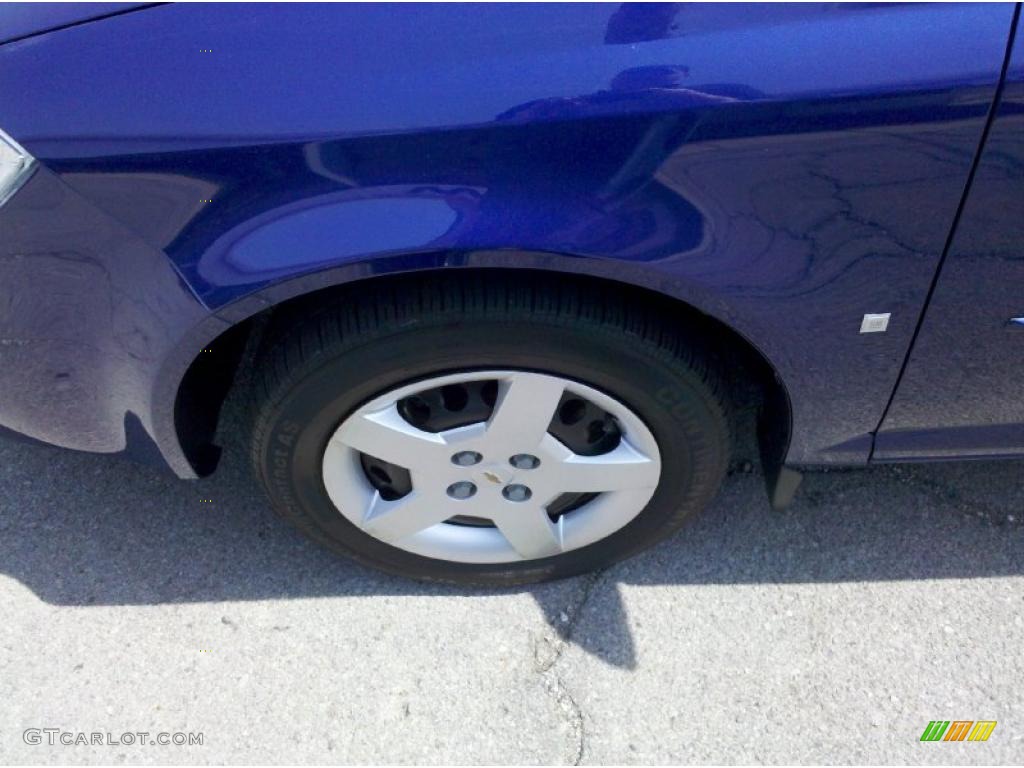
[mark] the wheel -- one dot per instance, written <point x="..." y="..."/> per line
<point x="480" y="432"/>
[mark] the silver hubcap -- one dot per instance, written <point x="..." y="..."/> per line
<point x="506" y="471"/>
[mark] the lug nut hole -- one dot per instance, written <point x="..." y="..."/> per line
<point x="466" y="458"/>
<point x="461" y="490"/>
<point x="524" y="461"/>
<point x="516" y="492"/>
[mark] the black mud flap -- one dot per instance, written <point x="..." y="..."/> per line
<point x="773" y="440"/>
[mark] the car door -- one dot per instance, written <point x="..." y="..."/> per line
<point x="959" y="395"/>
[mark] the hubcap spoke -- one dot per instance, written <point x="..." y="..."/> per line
<point x="530" y="532"/>
<point x="385" y="435"/>
<point x="395" y="520"/>
<point x="623" y="469"/>
<point x="526" y="403"/>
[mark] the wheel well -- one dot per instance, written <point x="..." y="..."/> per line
<point x="760" y="404"/>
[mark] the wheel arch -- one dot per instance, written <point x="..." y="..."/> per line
<point x="196" y="381"/>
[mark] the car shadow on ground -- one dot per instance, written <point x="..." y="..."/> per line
<point x="83" y="530"/>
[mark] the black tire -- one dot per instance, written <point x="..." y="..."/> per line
<point x="317" y="368"/>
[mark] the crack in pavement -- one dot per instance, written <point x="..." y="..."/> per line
<point x="969" y="507"/>
<point x="571" y="713"/>
<point x="548" y="649"/>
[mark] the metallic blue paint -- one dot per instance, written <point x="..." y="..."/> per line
<point x="20" y="20"/>
<point x="961" y="393"/>
<point x="782" y="168"/>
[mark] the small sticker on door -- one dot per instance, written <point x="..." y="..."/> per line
<point x="874" y="323"/>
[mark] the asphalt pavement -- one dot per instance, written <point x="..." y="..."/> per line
<point x="132" y="602"/>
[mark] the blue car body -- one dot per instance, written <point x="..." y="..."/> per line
<point x="782" y="169"/>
